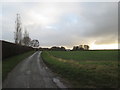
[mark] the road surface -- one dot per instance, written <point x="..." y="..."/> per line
<point x="32" y="73"/>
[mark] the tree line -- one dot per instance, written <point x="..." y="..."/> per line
<point x="81" y="47"/>
<point x="23" y="39"/>
<point x="62" y="48"/>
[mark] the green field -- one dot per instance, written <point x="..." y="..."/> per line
<point x="9" y="63"/>
<point x="85" y="69"/>
<point x="86" y="55"/>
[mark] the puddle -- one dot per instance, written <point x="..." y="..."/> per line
<point x="58" y="83"/>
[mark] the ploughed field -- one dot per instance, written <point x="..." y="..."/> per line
<point x="85" y="69"/>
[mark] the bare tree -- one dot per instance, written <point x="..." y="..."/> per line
<point x="18" y="32"/>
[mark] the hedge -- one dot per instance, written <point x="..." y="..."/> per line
<point x="11" y="49"/>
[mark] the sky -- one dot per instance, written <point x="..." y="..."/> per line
<point x="64" y="23"/>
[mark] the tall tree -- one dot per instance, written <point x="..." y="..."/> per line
<point x="18" y="32"/>
<point x="26" y="38"/>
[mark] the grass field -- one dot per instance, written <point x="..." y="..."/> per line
<point x="85" y="69"/>
<point x="86" y="55"/>
<point x="9" y="63"/>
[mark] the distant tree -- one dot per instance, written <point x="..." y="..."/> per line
<point x="81" y="47"/>
<point x="26" y="39"/>
<point x="62" y="48"/>
<point x="75" y="48"/>
<point x="44" y="49"/>
<point x="54" y="48"/>
<point x="34" y="43"/>
<point x="18" y="32"/>
<point x="86" y="47"/>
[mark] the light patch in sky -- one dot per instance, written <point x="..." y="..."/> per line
<point x="109" y="46"/>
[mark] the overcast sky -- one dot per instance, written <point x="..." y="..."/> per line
<point x="64" y="23"/>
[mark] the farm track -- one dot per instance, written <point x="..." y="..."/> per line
<point x="32" y="73"/>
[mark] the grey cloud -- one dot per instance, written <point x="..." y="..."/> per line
<point x="95" y="24"/>
<point x="75" y="23"/>
<point x="104" y="20"/>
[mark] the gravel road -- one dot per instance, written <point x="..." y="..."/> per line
<point x="32" y="73"/>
